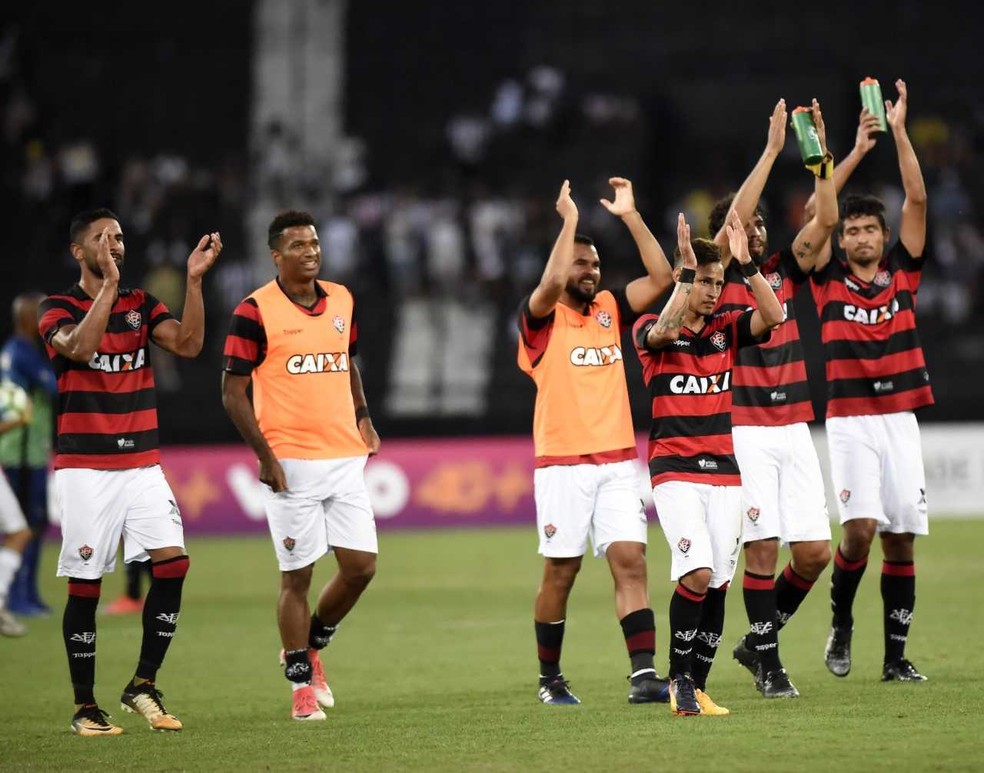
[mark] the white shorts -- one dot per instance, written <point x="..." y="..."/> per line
<point x="100" y="506"/>
<point x="581" y="501"/>
<point x="782" y="493"/>
<point x="702" y="524"/>
<point x="326" y="506"/>
<point x="11" y="516"/>
<point x="877" y="469"/>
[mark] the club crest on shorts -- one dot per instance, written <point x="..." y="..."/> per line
<point x="720" y="341"/>
<point x="133" y="318"/>
<point x="844" y="495"/>
<point x="753" y="514"/>
<point x="339" y="323"/>
<point x="549" y="530"/>
<point x="85" y="552"/>
<point x="684" y="545"/>
<point x="604" y="318"/>
<point x="774" y="280"/>
<point x="882" y="279"/>
<point x="289" y="543"/>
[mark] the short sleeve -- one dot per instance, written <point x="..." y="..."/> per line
<point x="157" y="312"/>
<point x="245" y="345"/>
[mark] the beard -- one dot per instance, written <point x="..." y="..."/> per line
<point x="581" y="296"/>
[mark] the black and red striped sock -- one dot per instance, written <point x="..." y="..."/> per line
<point x="79" y="632"/>
<point x="549" y="641"/>
<point x="898" y="590"/>
<point x="639" y="630"/>
<point x="708" y="634"/>
<point x="685" y="607"/>
<point x="791" y="589"/>
<point x="160" y="613"/>
<point x="844" y="584"/>
<point x="759" y="591"/>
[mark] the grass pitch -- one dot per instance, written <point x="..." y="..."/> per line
<point x="436" y="670"/>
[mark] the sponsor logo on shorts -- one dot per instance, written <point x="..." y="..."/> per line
<point x="85" y="552"/>
<point x="753" y="514"/>
<point x="289" y="543"/>
<point x="844" y="496"/>
<point x="604" y="318"/>
<point x="549" y="530"/>
<point x="774" y="280"/>
<point x="922" y="496"/>
<point x="720" y="341"/>
<point x="339" y="323"/>
<point x="684" y="545"/>
<point x="133" y="319"/>
<point x="882" y="279"/>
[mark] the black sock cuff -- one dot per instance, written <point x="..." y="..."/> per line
<point x="640" y="621"/>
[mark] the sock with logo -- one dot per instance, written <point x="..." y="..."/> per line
<point x="898" y="590"/>
<point x="791" y="589"/>
<point x="844" y="587"/>
<point x="297" y="667"/>
<point x="708" y="634"/>
<point x="639" y="630"/>
<point x="320" y="633"/>
<point x="79" y="632"/>
<point x="160" y="614"/>
<point x="685" y="609"/>
<point x="549" y="641"/>
<point x="759" y="591"/>
<point x="10" y="561"/>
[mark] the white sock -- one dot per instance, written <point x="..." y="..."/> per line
<point x="10" y="561"/>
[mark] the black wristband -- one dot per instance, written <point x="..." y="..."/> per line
<point x="361" y="413"/>
<point x="749" y="269"/>
<point x="687" y="276"/>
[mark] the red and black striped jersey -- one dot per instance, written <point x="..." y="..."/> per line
<point x="107" y="407"/>
<point x="875" y="362"/>
<point x="690" y="385"/>
<point x="770" y="383"/>
<point x="245" y="345"/>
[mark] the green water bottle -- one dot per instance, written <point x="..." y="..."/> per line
<point x="871" y="100"/>
<point x="806" y="136"/>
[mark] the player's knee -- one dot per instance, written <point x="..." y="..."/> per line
<point x="898" y="547"/>
<point x="858" y="535"/>
<point x="697" y="581"/>
<point x="762" y="556"/>
<point x="811" y="558"/>
<point x="296" y="582"/>
<point x="560" y="573"/>
<point x="361" y="573"/>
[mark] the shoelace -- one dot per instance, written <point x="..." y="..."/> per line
<point x="685" y="691"/>
<point x="152" y="694"/>
<point x="555" y="686"/>
<point x="96" y="715"/>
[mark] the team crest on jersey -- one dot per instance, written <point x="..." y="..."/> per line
<point x="844" y="496"/>
<point x="549" y="530"/>
<point x="753" y="514"/>
<point x="85" y="552"/>
<point x="720" y="341"/>
<point x="289" y="543"/>
<point x="604" y="318"/>
<point x="339" y="323"/>
<point x="133" y="319"/>
<point x="882" y="279"/>
<point x="684" y="545"/>
<point x="774" y="280"/>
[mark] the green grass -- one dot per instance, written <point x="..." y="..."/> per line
<point x="435" y="670"/>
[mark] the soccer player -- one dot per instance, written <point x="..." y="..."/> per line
<point x="25" y="452"/>
<point x="14" y="532"/>
<point x="309" y="425"/>
<point x="107" y="472"/>
<point x="687" y="355"/>
<point x="782" y="486"/>
<point x="877" y="378"/>
<point x="585" y="482"/>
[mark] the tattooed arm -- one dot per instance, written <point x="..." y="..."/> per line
<point x="670" y="322"/>
<point x="810" y="241"/>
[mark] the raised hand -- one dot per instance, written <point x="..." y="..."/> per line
<point x="777" y="129"/>
<point x="737" y="238"/>
<point x="818" y="122"/>
<point x="868" y="129"/>
<point x="895" y="114"/>
<point x="683" y="243"/>
<point x="204" y="255"/>
<point x="624" y="203"/>
<point x="104" y="259"/>
<point x="566" y="207"/>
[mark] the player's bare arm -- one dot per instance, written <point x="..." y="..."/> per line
<point x="546" y="295"/>
<point x="641" y="293"/>
<point x="748" y="195"/>
<point x="809" y="242"/>
<point x="912" y="227"/>
<point x="769" y="313"/>
<point x="362" y="417"/>
<point x="79" y="342"/>
<point x="185" y="338"/>
<point x="237" y="404"/>
<point x="670" y="323"/>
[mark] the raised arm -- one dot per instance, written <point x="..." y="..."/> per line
<point x="643" y="292"/>
<point x="748" y="195"/>
<point x="809" y="242"/>
<point x="670" y="323"/>
<point x="912" y="228"/>
<point x="555" y="273"/>
<point x="185" y="338"/>
<point x="769" y="312"/>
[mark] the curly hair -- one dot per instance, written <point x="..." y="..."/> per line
<point x="860" y="206"/>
